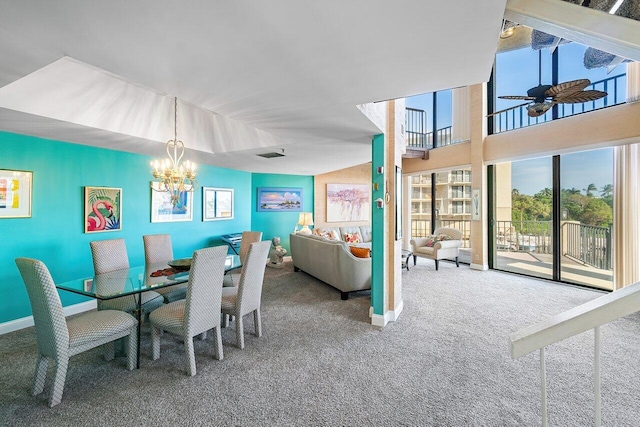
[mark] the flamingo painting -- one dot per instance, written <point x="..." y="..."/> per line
<point x="102" y="209"/>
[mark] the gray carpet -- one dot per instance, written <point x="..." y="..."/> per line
<point x="445" y="362"/>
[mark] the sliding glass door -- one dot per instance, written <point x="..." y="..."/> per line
<point x="586" y="217"/>
<point x="523" y="221"/>
<point x="553" y="218"/>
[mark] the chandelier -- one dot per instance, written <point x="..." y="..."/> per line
<point x="169" y="175"/>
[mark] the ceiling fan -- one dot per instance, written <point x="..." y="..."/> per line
<point x="542" y="97"/>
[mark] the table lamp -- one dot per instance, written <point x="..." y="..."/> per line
<point x="305" y="220"/>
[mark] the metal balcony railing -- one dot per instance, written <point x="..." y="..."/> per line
<point x="518" y="118"/>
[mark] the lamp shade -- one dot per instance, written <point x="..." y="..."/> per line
<point x="305" y="219"/>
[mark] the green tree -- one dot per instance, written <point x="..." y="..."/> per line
<point x="597" y="212"/>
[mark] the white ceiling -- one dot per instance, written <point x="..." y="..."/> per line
<point x="251" y="76"/>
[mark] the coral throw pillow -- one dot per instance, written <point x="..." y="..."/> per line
<point x="352" y="238"/>
<point x="360" y="252"/>
<point x="430" y="242"/>
<point x="442" y="237"/>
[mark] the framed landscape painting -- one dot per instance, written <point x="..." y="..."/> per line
<point x="279" y="199"/>
<point x="15" y="193"/>
<point x="102" y="209"/>
<point x="162" y="210"/>
<point x="348" y="202"/>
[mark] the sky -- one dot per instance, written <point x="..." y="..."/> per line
<point x="577" y="170"/>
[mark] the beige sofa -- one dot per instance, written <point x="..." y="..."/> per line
<point x="332" y="262"/>
<point x="440" y="250"/>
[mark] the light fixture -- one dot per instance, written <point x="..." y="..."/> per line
<point x="305" y="219"/>
<point x="169" y="175"/>
<point x="508" y="29"/>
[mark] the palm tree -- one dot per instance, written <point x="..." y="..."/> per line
<point x="589" y="189"/>
<point x="606" y="191"/>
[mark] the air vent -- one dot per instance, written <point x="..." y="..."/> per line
<point x="271" y="155"/>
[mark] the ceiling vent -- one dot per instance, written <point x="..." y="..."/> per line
<point x="271" y="155"/>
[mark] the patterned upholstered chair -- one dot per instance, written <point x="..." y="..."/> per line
<point x="158" y="248"/>
<point x="245" y="298"/>
<point x="59" y="339"/>
<point x="248" y="237"/>
<point x="200" y="311"/>
<point x="436" y="248"/>
<point x="110" y="255"/>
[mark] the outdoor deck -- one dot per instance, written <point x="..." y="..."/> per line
<point x="540" y="265"/>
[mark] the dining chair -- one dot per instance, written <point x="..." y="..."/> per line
<point x="158" y="248"/>
<point x="59" y="338"/>
<point x="199" y="311"/>
<point x="111" y="255"/>
<point x="245" y="298"/>
<point x="248" y="237"/>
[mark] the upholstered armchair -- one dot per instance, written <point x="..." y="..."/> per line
<point x="443" y="244"/>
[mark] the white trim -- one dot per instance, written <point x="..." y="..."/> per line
<point x="25" y="322"/>
<point x="480" y="267"/>
<point x="370" y="312"/>
<point x="379" y="320"/>
<point x="395" y="314"/>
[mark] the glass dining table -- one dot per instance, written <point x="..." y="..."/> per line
<point x="134" y="281"/>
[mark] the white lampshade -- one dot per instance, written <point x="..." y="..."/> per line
<point x="305" y="219"/>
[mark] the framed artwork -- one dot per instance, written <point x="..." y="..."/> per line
<point x="102" y="209"/>
<point x="398" y="203"/>
<point x="475" y="204"/>
<point x="348" y="202"/>
<point x="279" y="199"/>
<point x="162" y="210"/>
<point x="15" y="193"/>
<point x="217" y="203"/>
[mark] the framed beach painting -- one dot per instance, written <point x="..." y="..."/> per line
<point x="348" y="202"/>
<point x="279" y="199"/>
<point x="162" y="210"/>
<point x="217" y="203"/>
<point x="102" y="209"/>
<point x="15" y="193"/>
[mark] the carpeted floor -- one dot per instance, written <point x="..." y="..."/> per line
<point x="445" y="362"/>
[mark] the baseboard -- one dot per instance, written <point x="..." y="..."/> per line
<point x="25" y="322"/>
<point x="379" y="320"/>
<point x="480" y="267"/>
<point x="395" y="314"/>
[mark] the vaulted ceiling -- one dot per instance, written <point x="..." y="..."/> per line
<point x="251" y="76"/>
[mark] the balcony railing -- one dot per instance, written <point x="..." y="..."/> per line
<point x="518" y="118"/>
<point x="417" y="135"/>
<point x="588" y="244"/>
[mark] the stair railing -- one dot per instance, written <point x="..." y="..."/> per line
<point x="577" y="320"/>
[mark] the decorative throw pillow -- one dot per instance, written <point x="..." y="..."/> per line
<point x="442" y="237"/>
<point x="325" y="234"/>
<point x="352" y="238"/>
<point x="430" y="241"/>
<point x="360" y="252"/>
<point x="334" y="235"/>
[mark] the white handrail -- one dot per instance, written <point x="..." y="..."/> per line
<point x="579" y="319"/>
<point x="573" y="322"/>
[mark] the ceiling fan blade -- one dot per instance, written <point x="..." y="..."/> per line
<point x="580" y="97"/>
<point x="528" y="98"/>
<point x="568" y="87"/>
<point x="506" y="109"/>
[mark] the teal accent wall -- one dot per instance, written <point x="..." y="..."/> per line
<point x="377" y="228"/>
<point x="55" y="232"/>
<point x="279" y="223"/>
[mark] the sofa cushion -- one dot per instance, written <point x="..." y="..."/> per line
<point x="360" y="252"/>
<point x="365" y="233"/>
